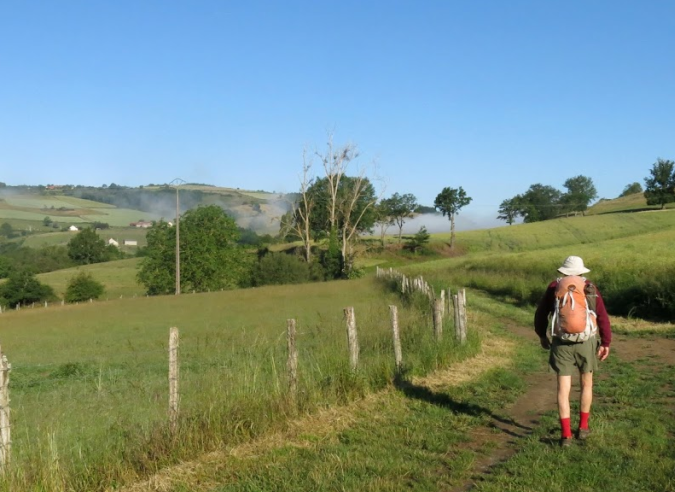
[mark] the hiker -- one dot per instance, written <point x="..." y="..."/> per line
<point x="577" y="319"/>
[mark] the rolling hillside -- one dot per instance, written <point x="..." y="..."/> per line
<point x="110" y="358"/>
<point x="25" y="208"/>
<point x="630" y="203"/>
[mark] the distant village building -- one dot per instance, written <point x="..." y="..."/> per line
<point x="72" y="228"/>
<point x="141" y="223"/>
<point x="112" y="242"/>
<point x="130" y="242"/>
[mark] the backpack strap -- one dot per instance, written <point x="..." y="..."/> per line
<point x="554" y="318"/>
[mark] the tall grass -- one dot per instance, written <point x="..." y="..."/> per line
<point x="561" y="232"/>
<point x="635" y="275"/>
<point x="89" y="382"/>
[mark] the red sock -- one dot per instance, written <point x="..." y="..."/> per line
<point x="565" y="427"/>
<point x="583" y="420"/>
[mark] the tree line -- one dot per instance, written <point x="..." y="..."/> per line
<point x="543" y="202"/>
<point x="327" y="217"/>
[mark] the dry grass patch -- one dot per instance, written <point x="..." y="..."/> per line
<point x="495" y="352"/>
<point x="634" y="325"/>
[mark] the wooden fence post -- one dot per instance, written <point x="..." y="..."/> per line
<point x="462" y="315"/>
<point x="458" y="322"/>
<point x="398" y="355"/>
<point x="352" y="339"/>
<point x="173" y="379"/>
<point x="292" y="364"/>
<point x="5" y="428"/>
<point x="442" y="303"/>
<point x="448" y="301"/>
<point x="438" y="319"/>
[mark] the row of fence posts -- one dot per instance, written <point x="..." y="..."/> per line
<point x="62" y="302"/>
<point x="440" y="305"/>
<point x="417" y="284"/>
<point x="32" y="306"/>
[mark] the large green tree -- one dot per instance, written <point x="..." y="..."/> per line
<point x="87" y="247"/>
<point x="354" y="205"/>
<point x="383" y="218"/>
<point x="509" y="209"/>
<point x="539" y="202"/>
<point x="400" y="207"/>
<point x="580" y="192"/>
<point x="157" y="270"/>
<point x="7" y="230"/>
<point x="5" y="266"/>
<point x="210" y="258"/>
<point x="631" y="189"/>
<point x="340" y="214"/>
<point x="450" y="201"/>
<point x="660" y="185"/>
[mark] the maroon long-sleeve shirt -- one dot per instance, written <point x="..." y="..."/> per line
<point x="547" y="306"/>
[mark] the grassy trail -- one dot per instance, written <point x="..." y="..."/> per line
<point x="328" y="424"/>
<point x="488" y="424"/>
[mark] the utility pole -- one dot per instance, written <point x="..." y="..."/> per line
<point x="177" y="243"/>
<point x="177" y="182"/>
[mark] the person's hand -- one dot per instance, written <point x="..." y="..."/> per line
<point x="603" y="353"/>
<point x="545" y="344"/>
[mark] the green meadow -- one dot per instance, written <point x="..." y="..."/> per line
<point x="60" y="238"/>
<point x="120" y="217"/>
<point x="118" y="277"/>
<point x="12" y="214"/>
<point x="46" y="202"/>
<point x="66" y="210"/>
<point x="630" y="203"/>
<point x="629" y="254"/>
<point x="89" y="382"/>
<point x="561" y="232"/>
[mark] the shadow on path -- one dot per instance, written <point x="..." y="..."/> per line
<point x="423" y="393"/>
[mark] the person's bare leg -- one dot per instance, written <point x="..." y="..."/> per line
<point x="586" y="383"/>
<point x="564" y="387"/>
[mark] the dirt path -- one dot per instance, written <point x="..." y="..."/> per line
<point x="540" y="398"/>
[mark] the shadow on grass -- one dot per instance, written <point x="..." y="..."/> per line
<point x="639" y="209"/>
<point x="422" y="393"/>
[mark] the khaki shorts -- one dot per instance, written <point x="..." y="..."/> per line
<point x="569" y="358"/>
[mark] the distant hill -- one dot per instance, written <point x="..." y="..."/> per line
<point x="630" y="203"/>
<point x="26" y="207"/>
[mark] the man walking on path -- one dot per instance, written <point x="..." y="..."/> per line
<point x="573" y="349"/>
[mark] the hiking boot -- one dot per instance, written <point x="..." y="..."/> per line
<point x="565" y="442"/>
<point x="582" y="434"/>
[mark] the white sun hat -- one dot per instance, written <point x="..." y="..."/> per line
<point x="573" y="265"/>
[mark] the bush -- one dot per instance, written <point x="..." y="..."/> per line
<point x="280" y="268"/>
<point x="418" y="241"/>
<point x="83" y="287"/>
<point x="23" y="288"/>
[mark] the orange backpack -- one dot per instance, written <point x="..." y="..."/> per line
<point x="572" y="314"/>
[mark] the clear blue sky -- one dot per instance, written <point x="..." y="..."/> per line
<point x="492" y="96"/>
